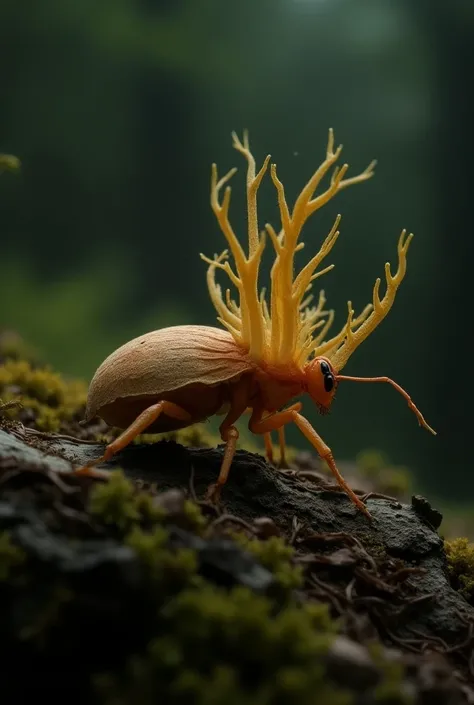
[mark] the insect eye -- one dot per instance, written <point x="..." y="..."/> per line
<point x="325" y="368"/>
<point x="328" y="382"/>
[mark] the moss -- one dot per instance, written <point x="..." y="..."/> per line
<point x="395" y="481"/>
<point x="119" y="503"/>
<point x="114" y="502"/>
<point x="167" y="571"/>
<point x="214" y="645"/>
<point x="8" y="162"/>
<point x="460" y="555"/>
<point x="277" y="556"/>
<point x="196" y="436"/>
<point x="229" y="648"/>
<point x="51" y="398"/>
<point x="370" y="462"/>
<point x="11" y="557"/>
<point x="198" y="643"/>
<point x="146" y="508"/>
<point x="206" y="435"/>
<point x="194" y="517"/>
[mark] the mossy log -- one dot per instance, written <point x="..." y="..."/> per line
<point x="139" y="591"/>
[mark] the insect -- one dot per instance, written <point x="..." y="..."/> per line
<point x="269" y="351"/>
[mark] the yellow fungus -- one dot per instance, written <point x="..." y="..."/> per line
<point x="287" y="331"/>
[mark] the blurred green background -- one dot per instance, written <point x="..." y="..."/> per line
<point x="117" y="109"/>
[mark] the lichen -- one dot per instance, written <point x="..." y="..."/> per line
<point x="460" y="556"/>
<point x="51" y="399"/>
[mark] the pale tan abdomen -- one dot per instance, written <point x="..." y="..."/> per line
<point x="188" y="365"/>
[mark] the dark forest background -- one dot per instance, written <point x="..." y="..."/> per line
<point x="117" y="109"/>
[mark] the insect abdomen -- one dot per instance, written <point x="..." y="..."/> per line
<point x="181" y="364"/>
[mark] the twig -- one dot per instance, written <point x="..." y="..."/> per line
<point x="192" y="489"/>
<point x="223" y="518"/>
<point x="296" y="528"/>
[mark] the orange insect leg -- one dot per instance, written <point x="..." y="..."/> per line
<point x="281" y="418"/>
<point x="267" y="439"/>
<point x="230" y="434"/>
<point x="142" y="422"/>
<point x="281" y="439"/>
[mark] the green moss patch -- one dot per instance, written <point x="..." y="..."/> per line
<point x="460" y="555"/>
<point x="232" y="647"/>
<point x="41" y="395"/>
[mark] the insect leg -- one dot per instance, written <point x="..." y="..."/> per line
<point x="281" y="418"/>
<point x="267" y="438"/>
<point x="142" y="422"/>
<point x="230" y="434"/>
<point x="281" y="438"/>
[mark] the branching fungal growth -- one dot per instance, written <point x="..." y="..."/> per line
<point x="274" y="350"/>
<point x="283" y="332"/>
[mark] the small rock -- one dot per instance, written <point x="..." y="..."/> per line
<point x="349" y="664"/>
<point x="436" y="683"/>
<point x="103" y="563"/>
<point x="224" y="562"/>
<point x="172" y="501"/>
<point x="342" y="558"/>
<point x="266" y="527"/>
<point x="424" y="510"/>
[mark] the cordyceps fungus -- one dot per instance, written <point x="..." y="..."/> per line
<point x="269" y="351"/>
